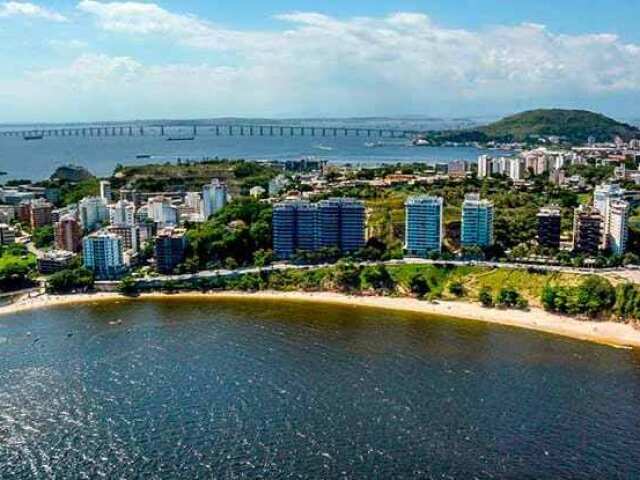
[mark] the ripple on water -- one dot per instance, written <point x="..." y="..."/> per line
<point x="191" y="389"/>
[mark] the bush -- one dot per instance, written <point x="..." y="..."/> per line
<point x="346" y="277"/>
<point x="522" y="304"/>
<point x="456" y="289"/>
<point x="507" y="297"/>
<point x="486" y="297"/>
<point x="127" y="286"/>
<point x="419" y="285"/>
<point x="376" y="277"/>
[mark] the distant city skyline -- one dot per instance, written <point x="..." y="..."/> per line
<point x="78" y="61"/>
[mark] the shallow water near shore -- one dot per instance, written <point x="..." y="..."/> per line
<point x="182" y="388"/>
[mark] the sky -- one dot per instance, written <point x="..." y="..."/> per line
<point x="90" y="60"/>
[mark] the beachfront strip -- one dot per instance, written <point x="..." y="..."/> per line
<point x="120" y="230"/>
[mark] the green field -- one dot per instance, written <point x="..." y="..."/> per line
<point x="8" y="260"/>
<point x="529" y="284"/>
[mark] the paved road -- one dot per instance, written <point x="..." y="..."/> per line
<point x="626" y="273"/>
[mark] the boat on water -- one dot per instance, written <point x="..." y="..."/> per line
<point x="34" y="136"/>
<point x="180" y="139"/>
<point x="323" y="147"/>
<point x="143" y="155"/>
<point x="374" y="144"/>
<point x="420" y="142"/>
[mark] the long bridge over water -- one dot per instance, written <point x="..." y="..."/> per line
<point x="175" y="131"/>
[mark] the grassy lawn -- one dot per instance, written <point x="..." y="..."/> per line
<point x="438" y="278"/>
<point x="28" y="260"/>
<point x="529" y="284"/>
<point x="584" y="198"/>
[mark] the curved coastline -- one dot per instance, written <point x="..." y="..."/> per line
<point x="618" y="335"/>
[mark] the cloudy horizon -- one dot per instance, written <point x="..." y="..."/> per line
<point x="93" y="60"/>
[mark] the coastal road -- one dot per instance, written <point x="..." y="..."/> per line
<point x="629" y="274"/>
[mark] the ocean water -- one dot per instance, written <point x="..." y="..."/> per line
<point x="37" y="159"/>
<point x="197" y="389"/>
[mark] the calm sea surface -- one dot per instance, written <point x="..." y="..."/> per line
<point x="37" y="159"/>
<point x="190" y="389"/>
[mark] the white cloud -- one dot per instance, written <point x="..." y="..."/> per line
<point x="25" y="9"/>
<point x="401" y="50"/>
<point x="317" y="64"/>
<point x="145" y="18"/>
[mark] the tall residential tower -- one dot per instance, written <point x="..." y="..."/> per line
<point x="477" y="222"/>
<point x="423" y="226"/>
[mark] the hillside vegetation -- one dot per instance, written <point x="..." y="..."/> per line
<point x="575" y="126"/>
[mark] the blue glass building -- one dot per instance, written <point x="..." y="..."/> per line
<point x="303" y="226"/>
<point x="477" y="222"/>
<point x="423" y="226"/>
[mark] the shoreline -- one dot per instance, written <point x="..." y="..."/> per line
<point x="613" y="334"/>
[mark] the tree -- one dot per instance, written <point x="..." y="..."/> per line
<point x="627" y="301"/>
<point x="262" y="258"/>
<point x="486" y="297"/>
<point x="376" y="277"/>
<point x="346" y="276"/>
<point x="43" y="236"/>
<point x="71" y="280"/>
<point x="230" y="263"/>
<point x="548" y="297"/>
<point x="596" y="295"/>
<point x="456" y="288"/>
<point x="127" y="286"/>
<point x="631" y="259"/>
<point x="419" y="285"/>
<point x="508" y="297"/>
<point x="237" y="231"/>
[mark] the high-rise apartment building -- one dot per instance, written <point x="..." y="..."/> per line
<point x="587" y="230"/>
<point x="423" y="225"/>
<point x="549" y="227"/>
<point x="603" y="196"/>
<point x="169" y="249"/>
<point x="40" y="213"/>
<point x="122" y="213"/>
<point x="67" y="234"/>
<point x="485" y="166"/>
<point x="302" y="226"/>
<point x="130" y="236"/>
<point x="457" y="169"/>
<point x="162" y="211"/>
<point x="477" y="222"/>
<point x="341" y="224"/>
<point x="103" y="254"/>
<point x="618" y="226"/>
<point x="93" y="212"/>
<point x="105" y="191"/>
<point x="214" y="197"/>
<point x="516" y="168"/>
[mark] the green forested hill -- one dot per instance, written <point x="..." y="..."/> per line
<point x="572" y="125"/>
<point x="575" y="125"/>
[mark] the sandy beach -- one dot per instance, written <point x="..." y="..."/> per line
<point x="608" y="333"/>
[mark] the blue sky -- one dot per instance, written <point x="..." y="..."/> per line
<point x="89" y="59"/>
